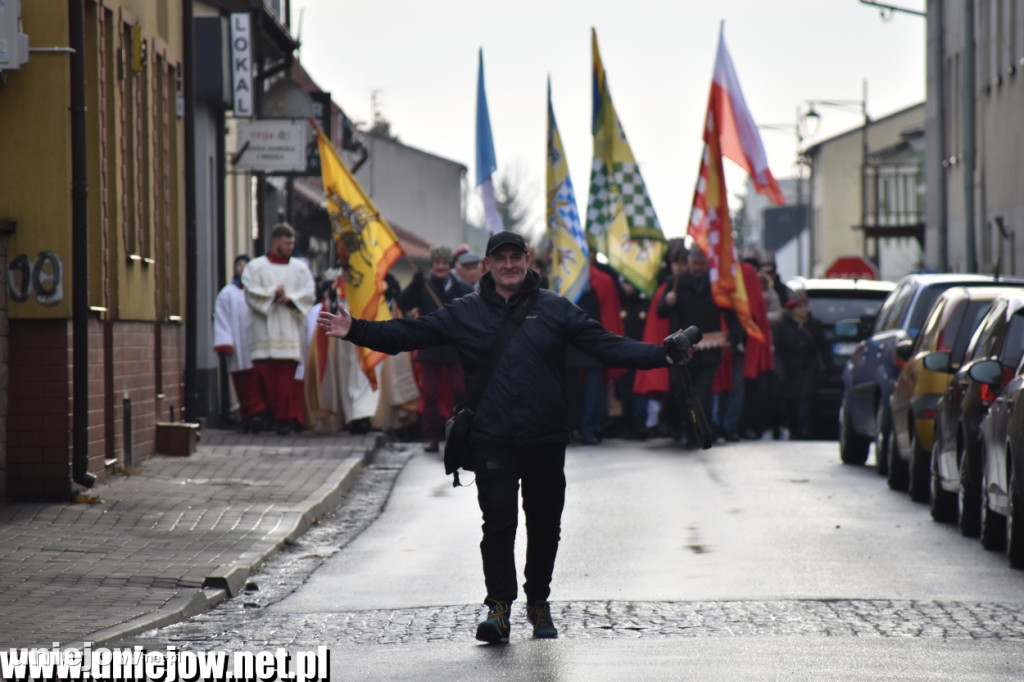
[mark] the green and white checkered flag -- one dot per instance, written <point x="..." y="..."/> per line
<point x="636" y="203"/>
<point x="601" y="209"/>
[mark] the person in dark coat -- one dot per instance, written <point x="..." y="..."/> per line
<point x="440" y="365"/>
<point x="687" y="301"/>
<point x="804" y="353"/>
<point x="521" y="425"/>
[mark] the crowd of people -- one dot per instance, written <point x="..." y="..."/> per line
<point x="750" y="386"/>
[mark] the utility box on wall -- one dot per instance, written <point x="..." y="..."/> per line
<point x="13" y="43"/>
<point x="176" y="438"/>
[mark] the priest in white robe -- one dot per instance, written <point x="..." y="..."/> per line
<point x="280" y="292"/>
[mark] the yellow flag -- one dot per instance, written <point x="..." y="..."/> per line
<point x="367" y="247"/>
<point x="619" y="208"/>
<point x="636" y="260"/>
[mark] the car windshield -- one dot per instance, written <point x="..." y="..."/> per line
<point x="831" y="307"/>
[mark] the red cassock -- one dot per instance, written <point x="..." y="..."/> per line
<point x="653" y="383"/>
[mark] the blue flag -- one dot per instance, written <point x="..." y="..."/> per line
<point x="486" y="163"/>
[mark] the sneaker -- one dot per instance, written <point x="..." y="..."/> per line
<point x="539" y="613"/>
<point x="496" y="628"/>
<point x="432" y="446"/>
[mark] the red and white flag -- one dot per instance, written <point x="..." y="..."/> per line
<point x="737" y="131"/>
<point x="729" y="131"/>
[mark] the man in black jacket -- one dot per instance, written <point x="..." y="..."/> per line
<point x="687" y="301"/>
<point x="521" y="425"/>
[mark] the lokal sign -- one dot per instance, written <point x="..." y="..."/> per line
<point x="851" y="267"/>
<point x="241" y="65"/>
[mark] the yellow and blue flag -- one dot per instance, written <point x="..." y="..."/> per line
<point x="366" y="245"/>
<point x="621" y="222"/>
<point x="570" y="257"/>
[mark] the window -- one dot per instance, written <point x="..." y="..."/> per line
<point x="1013" y="343"/>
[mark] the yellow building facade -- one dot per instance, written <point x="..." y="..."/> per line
<point x="92" y="181"/>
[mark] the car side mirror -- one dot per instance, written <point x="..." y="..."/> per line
<point x="939" y="361"/>
<point x="987" y="372"/>
<point x="904" y="349"/>
<point x="848" y="329"/>
<point x="867" y="324"/>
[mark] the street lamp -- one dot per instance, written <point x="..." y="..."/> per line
<point x="860" y="106"/>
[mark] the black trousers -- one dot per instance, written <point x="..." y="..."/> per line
<point x="499" y="469"/>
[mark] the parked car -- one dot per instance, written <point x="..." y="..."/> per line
<point x="833" y="300"/>
<point x="949" y="327"/>
<point x="957" y="452"/>
<point x="1002" y="433"/>
<point x="872" y="369"/>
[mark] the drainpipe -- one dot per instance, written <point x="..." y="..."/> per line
<point x="969" y="138"/>
<point x="937" y="92"/>
<point x="79" y="251"/>
<point x="192" y="402"/>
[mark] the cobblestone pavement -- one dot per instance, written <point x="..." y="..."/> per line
<point x="245" y="622"/>
<point x="172" y="539"/>
<point x="618" y="619"/>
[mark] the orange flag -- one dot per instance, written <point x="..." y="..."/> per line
<point x="711" y="227"/>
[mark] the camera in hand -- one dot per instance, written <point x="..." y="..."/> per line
<point x="677" y="344"/>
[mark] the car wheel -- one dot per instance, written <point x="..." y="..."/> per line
<point x="920" y="469"/>
<point x="968" y="499"/>
<point x="898" y="472"/>
<point x="881" y="442"/>
<point x="941" y="502"/>
<point x="1015" y="525"/>
<point x="993" y="525"/>
<point x="853" y="448"/>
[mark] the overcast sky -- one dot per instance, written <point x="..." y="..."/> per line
<point x="419" y="57"/>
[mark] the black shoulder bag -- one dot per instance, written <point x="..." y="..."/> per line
<point x="458" y="452"/>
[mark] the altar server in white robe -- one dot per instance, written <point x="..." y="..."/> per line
<point x="231" y="340"/>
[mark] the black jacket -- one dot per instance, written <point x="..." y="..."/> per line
<point x="695" y="306"/>
<point x="804" y="353"/>
<point x="525" y="399"/>
<point x="416" y="296"/>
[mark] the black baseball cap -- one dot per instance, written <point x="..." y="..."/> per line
<point x="501" y="239"/>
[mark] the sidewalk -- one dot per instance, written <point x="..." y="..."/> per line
<point x="177" y="537"/>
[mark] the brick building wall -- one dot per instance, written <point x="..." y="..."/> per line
<point x="122" y="367"/>
<point x="39" y="408"/>
<point x="5" y="229"/>
<point x="136" y="381"/>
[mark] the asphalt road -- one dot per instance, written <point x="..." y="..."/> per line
<point x="759" y="560"/>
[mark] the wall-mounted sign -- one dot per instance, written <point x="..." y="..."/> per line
<point x="241" y="65"/>
<point x="272" y="145"/>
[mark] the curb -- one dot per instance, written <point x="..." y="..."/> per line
<point x="228" y="580"/>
